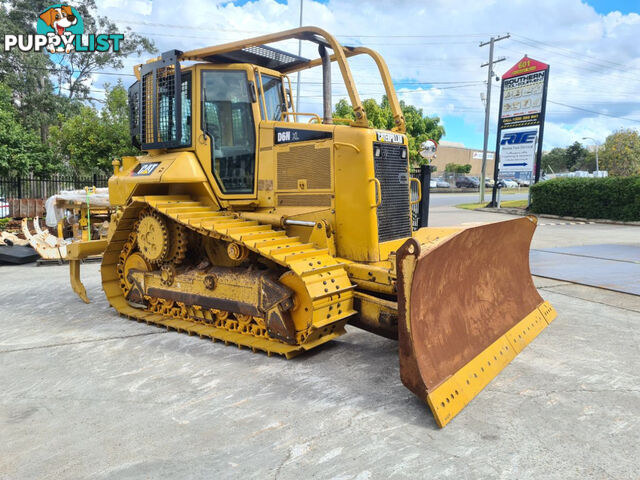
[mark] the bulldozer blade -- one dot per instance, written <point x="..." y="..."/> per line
<point x="76" y="252"/>
<point x="467" y="306"/>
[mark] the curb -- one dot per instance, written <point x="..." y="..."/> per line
<point x="521" y="212"/>
<point x="474" y="190"/>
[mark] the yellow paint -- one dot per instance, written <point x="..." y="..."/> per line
<point x="324" y="265"/>
<point x="451" y="396"/>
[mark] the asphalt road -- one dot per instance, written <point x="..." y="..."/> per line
<point x="86" y="393"/>
<point x="450" y="199"/>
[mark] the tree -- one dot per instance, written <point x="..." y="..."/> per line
<point x="554" y="160"/>
<point x="419" y="127"/>
<point x="26" y="73"/>
<point x="621" y="153"/>
<point x="457" y="168"/>
<point x="74" y="71"/>
<point x="21" y="150"/>
<point x="574" y="157"/>
<point x="88" y="141"/>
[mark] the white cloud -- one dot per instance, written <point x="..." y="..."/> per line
<point x="595" y="59"/>
<point x="142" y="7"/>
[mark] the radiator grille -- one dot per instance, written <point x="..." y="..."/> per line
<point x="304" y="162"/>
<point x="304" y="200"/>
<point x="394" y="219"/>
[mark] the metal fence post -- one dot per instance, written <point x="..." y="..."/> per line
<point x="425" y="180"/>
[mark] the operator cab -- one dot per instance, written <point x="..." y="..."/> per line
<point x="234" y="98"/>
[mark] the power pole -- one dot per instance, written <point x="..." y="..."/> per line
<point x="487" y="108"/>
<point x="299" y="54"/>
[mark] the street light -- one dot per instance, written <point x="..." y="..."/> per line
<point x="595" y="142"/>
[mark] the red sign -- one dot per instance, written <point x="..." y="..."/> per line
<point x="526" y="65"/>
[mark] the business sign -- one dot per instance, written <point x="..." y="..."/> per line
<point x="478" y="155"/>
<point x="521" y="119"/>
<point x="522" y="99"/>
<point x="517" y="149"/>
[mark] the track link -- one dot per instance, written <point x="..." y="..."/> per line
<point x="326" y="281"/>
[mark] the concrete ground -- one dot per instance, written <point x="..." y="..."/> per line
<point x="86" y="393"/>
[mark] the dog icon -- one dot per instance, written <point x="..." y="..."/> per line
<point x="59" y="18"/>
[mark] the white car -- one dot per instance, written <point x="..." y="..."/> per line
<point x="509" y="183"/>
<point x="433" y="184"/>
<point x="4" y="208"/>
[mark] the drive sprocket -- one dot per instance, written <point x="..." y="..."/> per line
<point x="153" y="237"/>
<point x="178" y="244"/>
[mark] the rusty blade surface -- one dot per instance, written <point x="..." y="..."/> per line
<point x="458" y="296"/>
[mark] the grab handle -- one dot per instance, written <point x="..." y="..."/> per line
<point x="378" y="192"/>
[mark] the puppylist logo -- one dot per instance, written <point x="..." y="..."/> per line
<point x="60" y="29"/>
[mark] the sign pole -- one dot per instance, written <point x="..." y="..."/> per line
<point x="542" y="115"/>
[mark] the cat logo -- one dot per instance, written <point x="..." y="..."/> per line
<point x="145" y="169"/>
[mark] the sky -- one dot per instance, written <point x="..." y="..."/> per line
<point x="433" y="53"/>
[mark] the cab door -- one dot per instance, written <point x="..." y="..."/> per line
<point x="227" y="145"/>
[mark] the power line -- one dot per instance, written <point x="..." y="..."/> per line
<point x="58" y="70"/>
<point x="386" y="44"/>
<point x="263" y="32"/>
<point x="586" y="63"/>
<point x="593" y="111"/>
<point x="580" y="54"/>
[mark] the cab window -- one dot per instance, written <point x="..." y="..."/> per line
<point x="167" y="131"/>
<point x="228" y="119"/>
<point x="273" y="98"/>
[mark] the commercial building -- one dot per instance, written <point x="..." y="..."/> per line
<point x="455" y="152"/>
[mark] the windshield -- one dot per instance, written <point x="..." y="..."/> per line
<point x="273" y="98"/>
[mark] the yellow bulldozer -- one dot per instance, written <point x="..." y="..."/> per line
<point x="254" y="224"/>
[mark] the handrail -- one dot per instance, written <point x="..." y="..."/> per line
<point x="416" y="180"/>
<point x="377" y="192"/>
<point x="340" y="55"/>
<point x="301" y="33"/>
<point x="296" y="114"/>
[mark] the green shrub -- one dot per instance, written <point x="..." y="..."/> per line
<point x="614" y="198"/>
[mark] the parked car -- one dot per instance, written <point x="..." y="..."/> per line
<point x="433" y="184"/>
<point x="523" y="182"/>
<point x="467" y="182"/>
<point x="506" y="183"/>
<point x="4" y="208"/>
<point x="488" y="182"/>
<point x="442" y="184"/>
